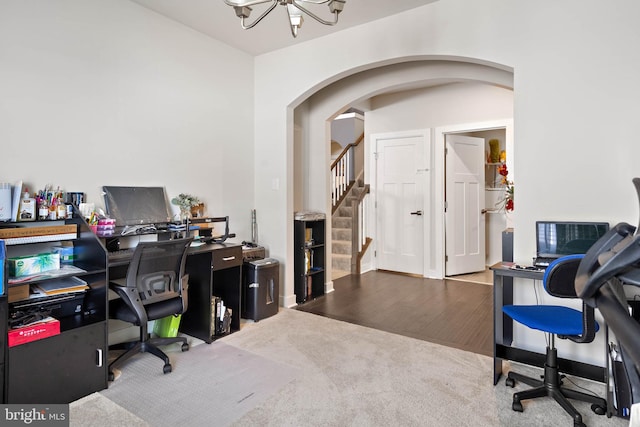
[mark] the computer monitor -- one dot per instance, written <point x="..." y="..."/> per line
<point x="136" y="205"/>
<point x="559" y="238"/>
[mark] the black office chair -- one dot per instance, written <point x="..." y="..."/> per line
<point x="155" y="287"/>
<point x="565" y="323"/>
<point x="615" y="264"/>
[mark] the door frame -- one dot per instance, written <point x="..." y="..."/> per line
<point x="426" y="135"/>
<point x="439" y="178"/>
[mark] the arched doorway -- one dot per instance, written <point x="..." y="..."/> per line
<point x="312" y="115"/>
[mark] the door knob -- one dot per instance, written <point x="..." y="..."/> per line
<point x="416" y="213"/>
<point x="484" y="211"/>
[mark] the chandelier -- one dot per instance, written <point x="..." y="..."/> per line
<point x="295" y="10"/>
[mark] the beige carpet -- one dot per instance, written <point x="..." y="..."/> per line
<point x="96" y="410"/>
<point x="225" y="379"/>
<point x="348" y="375"/>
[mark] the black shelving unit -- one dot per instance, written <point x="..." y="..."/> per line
<point x="309" y="258"/>
<point x="72" y="364"/>
<point x="215" y="270"/>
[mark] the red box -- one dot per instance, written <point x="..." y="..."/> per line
<point x="33" y="332"/>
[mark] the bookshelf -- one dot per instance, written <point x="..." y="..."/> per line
<point x="69" y="362"/>
<point x="309" y="258"/>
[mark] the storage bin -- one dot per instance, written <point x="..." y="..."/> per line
<point x="167" y="327"/>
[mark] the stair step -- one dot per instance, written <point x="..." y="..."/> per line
<point x="341" y="234"/>
<point x="343" y="211"/>
<point x="341" y="262"/>
<point x="341" y="222"/>
<point x="337" y="274"/>
<point x="341" y="247"/>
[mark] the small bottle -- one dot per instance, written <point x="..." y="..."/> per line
<point x="62" y="209"/>
<point x="53" y="209"/>
<point x="43" y="209"/>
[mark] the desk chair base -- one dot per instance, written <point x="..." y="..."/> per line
<point x="551" y="385"/>
<point x="147" y="346"/>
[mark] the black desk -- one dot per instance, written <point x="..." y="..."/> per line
<point x="503" y="330"/>
<point x="214" y="269"/>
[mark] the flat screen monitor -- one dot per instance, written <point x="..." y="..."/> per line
<point x="136" y="205"/>
<point x="559" y="238"/>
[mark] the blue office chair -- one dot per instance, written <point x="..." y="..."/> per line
<point x="565" y="323"/>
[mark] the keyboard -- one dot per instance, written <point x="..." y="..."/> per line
<point x="121" y="255"/>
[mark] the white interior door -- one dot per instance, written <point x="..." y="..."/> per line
<point x="464" y="195"/>
<point x="400" y="208"/>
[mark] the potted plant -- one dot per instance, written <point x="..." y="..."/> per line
<point x="185" y="202"/>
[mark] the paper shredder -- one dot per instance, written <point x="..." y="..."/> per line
<point x="260" y="289"/>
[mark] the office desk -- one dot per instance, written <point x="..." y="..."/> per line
<point x="503" y="329"/>
<point x="214" y="269"/>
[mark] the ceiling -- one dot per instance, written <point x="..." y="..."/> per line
<point x="216" y="19"/>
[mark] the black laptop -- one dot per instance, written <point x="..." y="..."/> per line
<point x="555" y="239"/>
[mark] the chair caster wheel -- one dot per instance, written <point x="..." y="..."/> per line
<point x="167" y="368"/>
<point x="510" y="382"/>
<point x="111" y="376"/>
<point x="185" y="347"/>
<point x="517" y="406"/>
<point x="598" y="409"/>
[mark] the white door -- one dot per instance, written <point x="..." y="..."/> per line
<point x="400" y="208"/>
<point x="464" y="195"/>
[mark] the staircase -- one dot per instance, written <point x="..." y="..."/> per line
<point x="342" y="256"/>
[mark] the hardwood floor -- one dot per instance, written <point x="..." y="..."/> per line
<point x="448" y="312"/>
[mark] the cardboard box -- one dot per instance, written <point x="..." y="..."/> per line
<point x="18" y="293"/>
<point x="37" y="331"/>
<point x="33" y="264"/>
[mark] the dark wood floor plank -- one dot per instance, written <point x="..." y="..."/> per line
<point x="448" y="312"/>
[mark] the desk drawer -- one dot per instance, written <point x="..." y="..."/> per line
<point x="227" y="257"/>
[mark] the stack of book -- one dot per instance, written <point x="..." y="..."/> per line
<point x="60" y="286"/>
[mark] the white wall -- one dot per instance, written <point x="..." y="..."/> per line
<point x="438" y="106"/>
<point x="346" y="129"/>
<point x="575" y="101"/>
<point x="101" y="92"/>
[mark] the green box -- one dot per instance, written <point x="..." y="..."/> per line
<point x="167" y="327"/>
<point x="33" y="264"/>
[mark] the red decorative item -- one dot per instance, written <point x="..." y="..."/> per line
<point x="507" y="201"/>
